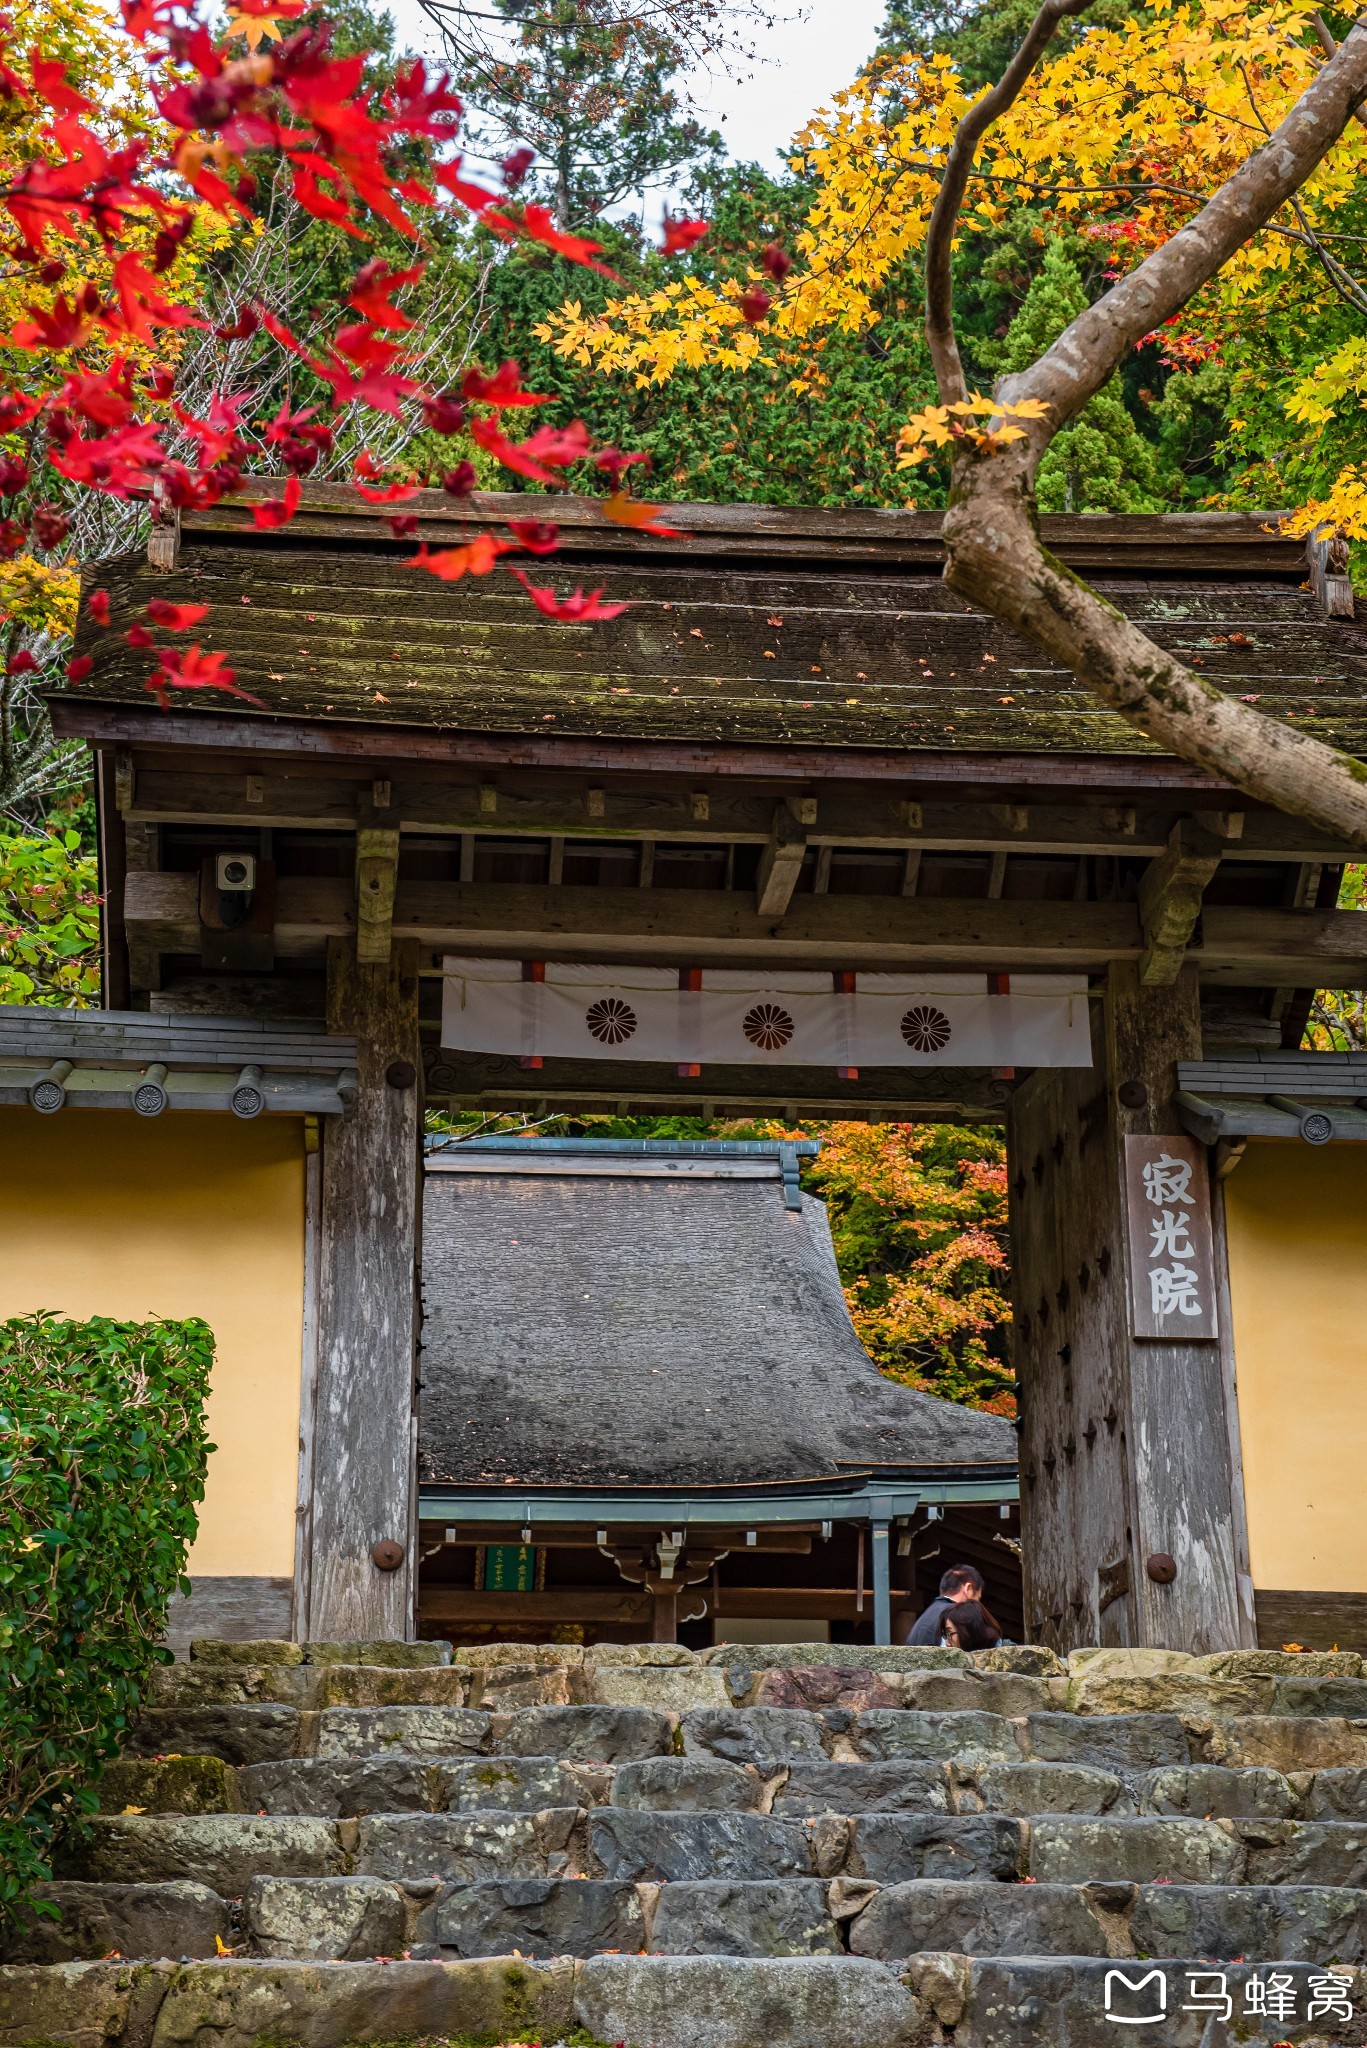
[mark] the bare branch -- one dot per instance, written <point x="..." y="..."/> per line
<point x="944" y="349"/>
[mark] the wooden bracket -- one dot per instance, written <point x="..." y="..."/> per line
<point x="1326" y="557"/>
<point x="377" y="868"/>
<point x="780" y="864"/>
<point x="1170" y="895"/>
<point x="163" y="542"/>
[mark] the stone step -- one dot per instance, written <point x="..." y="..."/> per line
<point x="353" y="1918"/>
<point x="401" y="1679"/>
<point x="341" y="1787"/>
<point x="224" y="1851"/>
<point x="1125" y="1745"/>
<point x="678" y="2001"/>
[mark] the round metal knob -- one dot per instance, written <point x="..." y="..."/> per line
<point x="1161" y="1568"/>
<point x="401" y="1073"/>
<point x="1132" y="1094"/>
<point x="387" y="1555"/>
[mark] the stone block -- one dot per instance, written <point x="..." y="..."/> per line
<point x="1169" y="1693"/>
<point x="176" y="1784"/>
<point x="1207" y="1791"/>
<point x="1078" y="1851"/>
<point x="1294" y="1925"/>
<point x="1125" y="1663"/>
<point x="893" y="1848"/>
<point x="80" y="2005"/>
<point x="233" y="1685"/>
<point x="483" y="1656"/>
<point x="342" y="1788"/>
<point x="763" y="1736"/>
<point x="512" y="1784"/>
<point x="746" y="2002"/>
<point x="823" y="1685"/>
<point x="687" y="1784"/>
<point x="324" y="1919"/>
<point x="264" y="1650"/>
<point x="132" y="1921"/>
<point x="766" y="1917"/>
<point x="978" y="1920"/>
<point x="1285" y="1743"/>
<point x="539" y="1917"/>
<point x="601" y="1735"/>
<point x="976" y="1692"/>
<point x="1280" y="1664"/>
<point x="402" y="1731"/>
<point x="1305" y="1852"/>
<point x="246" y="2004"/>
<point x="670" y="1688"/>
<point x="872" y="1656"/>
<point x="1127" y="1742"/>
<point x="238" y="1734"/>
<point x="895" y="1787"/>
<point x="1031" y="1660"/>
<point x="1332" y="1795"/>
<point x="666" y="1848"/>
<point x="376" y="1685"/>
<point x="1028" y="1788"/>
<point x="224" y="1851"/>
<point x="887" y="1732"/>
<point x="1005" y="2003"/>
<point x="394" y="1655"/>
<point x="503" y="1688"/>
<point x="636" y="1654"/>
<point x="462" y="1847"/>
<point x="1333" y="1696"/>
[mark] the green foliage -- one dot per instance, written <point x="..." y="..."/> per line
<point x="49" y="921"/>
<point x="102" y="1460"/>
<point x="1101" y="462"/>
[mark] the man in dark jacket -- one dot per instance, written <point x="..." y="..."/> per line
<point x="960" y="1582"/>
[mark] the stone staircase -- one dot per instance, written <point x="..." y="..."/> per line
<point x="353" y="1844"/>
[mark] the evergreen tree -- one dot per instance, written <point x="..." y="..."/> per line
<point x="592" y="87"/>
<point x="1101" y="462"/>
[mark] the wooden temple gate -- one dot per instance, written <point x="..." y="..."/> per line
<point x="796" y="751"/>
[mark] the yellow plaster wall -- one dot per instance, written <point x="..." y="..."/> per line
<point x="1297" y="1223"/>
<point x="107" y="1213"/>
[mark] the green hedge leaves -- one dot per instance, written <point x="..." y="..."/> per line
<point x="102" y="1460"/>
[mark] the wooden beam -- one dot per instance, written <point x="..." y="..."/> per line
<point x="363" y="1484"/>
<point x="172" y="790"/>
<point x="1240" y="947"/>
<point x="377" y="870"/>
<point x="492" y="1082"/>
<point x="1078" y="775"/>
<point x="780" y="864"/>
<point x="1170" y="895"/>
<point x="446" y="1603"/>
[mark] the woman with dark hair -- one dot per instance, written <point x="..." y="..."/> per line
<point x="968" y="1625"/>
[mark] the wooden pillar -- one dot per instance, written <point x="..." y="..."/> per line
<point x="1125" y="1443"/>
<point x="363" y="1483"/>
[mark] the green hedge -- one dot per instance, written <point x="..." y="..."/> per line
<point x="102" y="1459"/>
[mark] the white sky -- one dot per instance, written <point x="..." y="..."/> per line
<point x="800" y="63"/>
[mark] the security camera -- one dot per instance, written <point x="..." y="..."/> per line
<point x="235" y="871"/>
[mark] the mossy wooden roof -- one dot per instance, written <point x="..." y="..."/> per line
<point x="828" y="629"/>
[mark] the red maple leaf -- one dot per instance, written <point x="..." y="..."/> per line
<point x="583" y="606"/>
<point x="175" y="618"/>
<point x="372" y="288"/>
<point x="682" y="234"/>
<point x="279" y="511"/>
<point x="476" y="558"/>
<point x="635" y="512"/>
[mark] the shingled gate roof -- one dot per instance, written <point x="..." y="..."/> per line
<point x="592" y="1320"/>
<point x="762" y="625"/>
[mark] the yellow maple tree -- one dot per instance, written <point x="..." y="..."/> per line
<point x="1120" y="136"/>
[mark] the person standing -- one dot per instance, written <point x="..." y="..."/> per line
<point x="960" y="1582"/>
